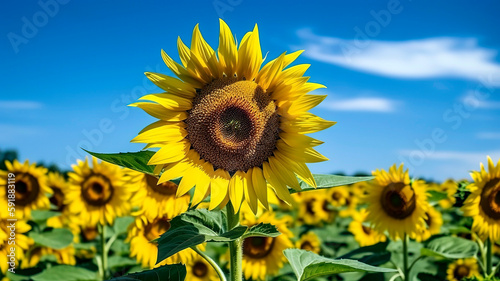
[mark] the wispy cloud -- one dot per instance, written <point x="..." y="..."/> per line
<point x="372" y="104"/>
<point x="462" y="156"/>
<point x="475" y="101"/>
<point x="19" y="104"/>
<point x="424" y="58"/>
<point x="488" y="135"/>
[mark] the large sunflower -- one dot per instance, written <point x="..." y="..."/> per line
<point x="462" y="269"/>
<point x="263" y="256"/>
<point x="98" y="194"/>
<point x="395" y="204"/>
<point x="31" y="188"/>
<point x="483" y="204"/>
<point x="199" y="270"/>
<point x="230" y="124"/>
<point x="22" y="242"/>
<point x="141" y="235"/>
<point x="155" y="199"/>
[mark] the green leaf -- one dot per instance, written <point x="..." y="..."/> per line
<point x="56" y="238"/>
<point x="119" y="261"/>
<point x="65" y="273"/>
<point x="42" y="215"/>
<point x="328" y="181"/>
<point x="137" y="161"/>
<point x="195" y="227"/>
<point x="121" y="224"/>
<point x="450" y="248"/>
<point x="377" y="248"/>
<point x="262" y="229"/>
<point x="308" y="265"/>
<point x="436" y="195"/>
<point x="170" y="272"/>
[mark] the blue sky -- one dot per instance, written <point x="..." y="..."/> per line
<point x="407" y="81"/>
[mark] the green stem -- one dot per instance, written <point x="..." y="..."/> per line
<point x="489" y="256"/>
<point x="104" y="252"/>
<point x="405" y="258"/>
<point x="235" y="247"/>
<point x="214" y="265"/>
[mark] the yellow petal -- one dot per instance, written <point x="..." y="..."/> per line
<point x="236" y="190"/>
<point x="301" y="105"/>
<point x="299" y="168"/>
<point x="278" y="186"/>
<point x="250" y="195"/>
<point x="219" y="187"/>
<point x="169" y="101"/>
<point x="160" y="112"/>
<point x="170" y="153"/>
<point x="284" y="173"/>
<point x="207" y="55"/>
<point x="181" y="72"/>
<point x="203" y="182"/>
<point x="173" y="171"/>
<point x="249" y="55"/>
<point x="267" y="75"/>
<point x="260" y="186"/>
<point x="305" y="123"/>
<point x="299" y="140"/>
<point x="228" y="53"/>
<point x="307" y="155"/>
<point x="194" y="65"/>
<point x="171" y="85"/>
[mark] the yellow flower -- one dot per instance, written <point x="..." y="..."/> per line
<point x="395" y="204"/>
<point x="433" y="224"/>
<point x="98" y="194"/>
<point x="30" y="188"/>
<point x="338" y="196"/>
<point x="199" y="270"/>
<point x="143" y="232"/>
<point x="309" y="242"/>
<point x="59" y="186"/>
<point x="461" y="269"/>
<point x="483" y="204"/>
<point x="263" y="256"/>
<point x="156" y="199"/>
<point x="63" y="256"/>
<point x="19" y="245"/>
<point x="314" y="208"/>
<point x="230" y="125"/>
<point x="364" y="234"/>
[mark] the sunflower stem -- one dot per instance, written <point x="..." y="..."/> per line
<point x="235" y="247"/>
<point x="405" y="258"/>
<point x="104" y="252"/>
<point x="214" y="265"/>
<point x="489" y="255"/>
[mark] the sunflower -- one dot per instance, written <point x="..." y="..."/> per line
<point x="62" y="256"/>
<point x="143" y="232"/>
<point x="338" y="196"/>
<point x="364" y="234"/>
<point x="395" y="204"/>
<point x="314" y="208"/>
<point x="59" y="185"/>
<point x="449" y="187"/>
<point x="22" y="242"/>
<point x="98" y="194"/>
<point x="483" y="204"/>
<point x="462" y="269"/>
<point x="433" y="224"/>
<point x="154" y="199"/>
<point x="199" y="270"/>
<point x="263" y="256"/>
<point x="230" y="124"/>
<point x="30" y="187"/>
<point x="309" y="242"/>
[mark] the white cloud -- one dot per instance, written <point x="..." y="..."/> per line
<point x="488" y="135"/>
<point x="19" y="104"/>
<point x="373" y="104"/>
<point x="462" y="156"/>
<point x="424" y="58"/>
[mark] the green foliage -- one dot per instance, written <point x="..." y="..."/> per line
<point x="262" y="229"/>
<point x="43" y="215"/>
<point x="137" y="161"/>
<point x="328" y="181"/>
<point x="56" y="238"/>
<point x="65" y="273"/>
<point x="308" y="265"/>
<point x="170" y="272"/>
<point x="373" y="255"/>
<point x="450" y="248"/>
<point x="435" y="195"/>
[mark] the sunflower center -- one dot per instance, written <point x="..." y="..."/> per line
<point x="306" y="245"/>
<point x="258" y="247"/>
<point x="27" y="189"/>
<point x="200" y="269"/>
<point x="310" y="207"/>
<point x="57" y="199"/>
<point x="89" y="233"/>
<point x="398" y="200"/>
<point x="166" y="188"/>
<point x="336" y="196"/>
<point x="461" y="271"/>
<point x="156" y="228"/>
<point x="367" y="230"/>
<point x="97" y="190"/>
<point x="490" y="199"/>
<point x="233" y="124"/>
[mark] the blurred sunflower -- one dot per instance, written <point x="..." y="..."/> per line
<point x="462" y="269"/>
<point x="30" y="188"/>
<point x="314" y="208"/>
<point x="309" y="242"/>
<point x="59" y="185"/>
<point x="140" y="236"/>
<point x="230" y="124"/>
<point x="263" y="256"/>
<point x="155" y="199"/>
<point x="395" y="204"/>
<point x="62" y="256"/>
<point x="364" y="234"/>
<point x="98" y="194"/>
<point x="22" y="242"/>
<point x="338" y="196"/>
<point x="199" y="270"/>
<point x="449" y="187"/>
<point x="483" y="204"/>
<point x="433" y="224"/>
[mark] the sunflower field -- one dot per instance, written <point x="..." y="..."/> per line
<point x="222" y="191"/>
